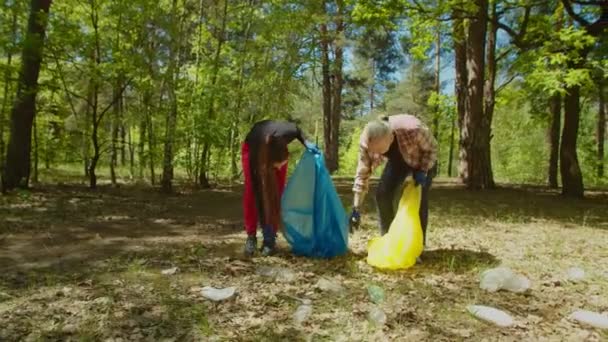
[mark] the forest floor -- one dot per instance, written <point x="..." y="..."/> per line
<point x="86" y="265"/>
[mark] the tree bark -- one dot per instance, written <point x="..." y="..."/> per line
<point x="142" y="141"/>
<point x="151" y="148"/>
<point x="123" y="135"/>
<point x="437" y="84"/>
<point x="572" y="178"/>
<point x="114" y="144"/>
<point x="171" y="122"/>
<point x="555" y="106"/>
<point x="332" y="86"/>
<point x="94" y="137"/>
<point x="332" y="156"/>
<point x="36" y="155"/>
<point x="17" y="167"/>
<point x="203" y="177"/>
<point x="451" y="152"/>
<point x="372" y="87"/>
<point x="460" y="84"/>
<point x="326" y="88"/>
<point x="475" y="161"/>
<point x="131" y="154"/>
<point x="95" y="115"/>
<point x="601" y="130"/>
<point x="489" y="97"/>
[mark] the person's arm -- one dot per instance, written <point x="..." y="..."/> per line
<point x="300" y="136"/>
<point x="427" y="150"/>
<point x="362" y="175"/>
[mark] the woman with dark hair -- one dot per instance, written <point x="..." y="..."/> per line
<point x="264" y="156"/>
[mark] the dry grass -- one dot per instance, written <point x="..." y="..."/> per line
<point x="85" y="266"/>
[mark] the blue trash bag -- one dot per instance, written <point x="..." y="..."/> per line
<point x="314" y="219"/>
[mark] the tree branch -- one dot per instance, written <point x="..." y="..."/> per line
<point x="518" y="38"/>
<point x="114" y="100"/>
<point x="507" y="29"/>
<point x="573" y="15"/>
<point x="593" y="3"/>
<point x="506" y="83"/>
<point x="503" y="54"/>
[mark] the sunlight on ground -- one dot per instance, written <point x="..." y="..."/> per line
<point x="87" y="266"/>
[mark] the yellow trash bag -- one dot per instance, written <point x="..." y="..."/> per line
<point x="399" y="248"/>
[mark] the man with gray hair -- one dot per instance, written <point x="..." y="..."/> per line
<point x="410" y="150"/>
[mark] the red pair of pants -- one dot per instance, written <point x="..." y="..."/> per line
<point x="249" y="198"/>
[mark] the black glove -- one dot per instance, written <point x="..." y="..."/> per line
<point x="355" y="219"/>
<point x="420" y="178"/>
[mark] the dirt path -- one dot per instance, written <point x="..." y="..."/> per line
<point x="82" y="265"/>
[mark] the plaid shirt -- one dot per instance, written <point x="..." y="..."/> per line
<point x="416" y="144"/>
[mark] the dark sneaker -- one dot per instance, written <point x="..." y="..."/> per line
<point x="251" y="245"/>
<point x="268" y="249"/>
<point x="270" y="238"/>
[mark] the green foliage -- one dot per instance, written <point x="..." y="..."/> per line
<point x="235" y="63"/>
<point x="519" y="153"/>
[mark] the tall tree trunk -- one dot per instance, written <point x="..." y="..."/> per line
<point x="143" y="127"/>
<point x="94" y="137"/>
<point x="17" y="167"/>
<point x="151" y="149"/>
<point x="572" y="178"/>
<point x="437" y="86"/>
<point x="475" y="136"/>
<point x="203" y="179"/>
<point x="203" y="176"/>
<point x="332" y="153"/>
<point x="123" y="135"/>
<point x="451" y="153"/>
<point x="171" y="123"/>
<point x="96" y="116"/>
<point x="555" y="107"/>
<point x="372" y="87"/>
<point x="131" y="153"/>
<point x="7" y="85"/>
<point x="36" y="155"/>
<point x="489" y="94"/>
<point x="437" y="113"/>
<point x="460" y="84"/>
<point x="141" y="149"/>
<point x="114" y="144"/>
<point x="86" y="132"/>
<point x="601" y="129"/>
<point x="327" y="91"/>
<point x="233" y="151"/>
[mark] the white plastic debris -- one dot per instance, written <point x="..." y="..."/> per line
<point x="575" y="274"/>
<point x="329" y="285"/>
<point x="591" y="318"/>
<point x="503" y="278"/>
<point x="492" y="315"/>
<point x="377" y="316"/>
<point x="302" y="313"/>
<point x="169" y="271"/>
<point x="218" y="295"/>
<point x="280" y="274"/>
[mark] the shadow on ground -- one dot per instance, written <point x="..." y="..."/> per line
<point x="457" y="260"/>
<point x="68" y="229"/>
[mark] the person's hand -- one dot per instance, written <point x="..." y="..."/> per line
<point x="355" y="219"/>
<point x="420" y="178"/>
<point x="312" y="147"/>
